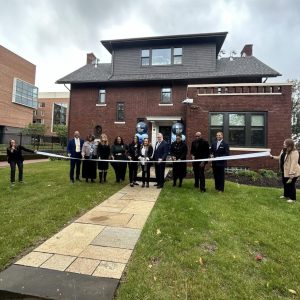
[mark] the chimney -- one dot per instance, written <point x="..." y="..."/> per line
<point x="247" y="50"/>
<point x="90" y="58"/>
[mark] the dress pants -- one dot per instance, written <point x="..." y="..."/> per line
<point x="160" y="173"/>
<point x="13" y="164"/>
<point x="199" y="174"/>
<point x="290" y="188"/>
<point x="219" y="175"/>
<point x="75" y="163"/>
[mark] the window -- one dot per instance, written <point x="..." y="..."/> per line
<point x="38" y="121"/>
<point x="35" y="112"/>
<point x="145" y="57"/>
<point x="242" y="129"/>
<point x="42" y="113"/>
<point x="177" y="56"/>
<point x="25" y="93"/>
<point x="120" y="112"/>
<point x="41" y="104"/>
<point x="59" y="113"/>
<point x="102" y="96"/>
<point x="166" y="95"/>
<point x="161" y="56"/>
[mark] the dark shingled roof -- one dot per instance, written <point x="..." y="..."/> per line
<point x="237" y="67"/>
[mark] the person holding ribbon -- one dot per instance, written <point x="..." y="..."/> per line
<point x="219" y="148"/>
<point x="74" y="151"/>
<point x="145" y="155"/>
<point x="159" y="156"/>
<point x="89" y="152"/>
<point x="178" y="152"/>
<point x="103" y="152"/>
<point x="15" y="157"/>
<point x="118" y="152"/>
<point x="132" y="155"/>
<point x="288" y="160"/>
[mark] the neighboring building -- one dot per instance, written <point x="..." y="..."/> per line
<point x="18" y="95"/>
<point x="149" y="78"/>
<point x="52" y="110"/>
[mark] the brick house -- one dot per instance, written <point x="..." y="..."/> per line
<point x="52" y="110"/>
<point x="182" y="78"/>
<point x="18" y="95"/>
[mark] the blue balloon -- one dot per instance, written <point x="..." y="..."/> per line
<point x="141" y="128"/>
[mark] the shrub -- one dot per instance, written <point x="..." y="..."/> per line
<point x="268" y="173"/>
<point x="254" y="176"/>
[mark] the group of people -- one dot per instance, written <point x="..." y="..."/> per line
<point x="97" y="154"/>
<point x="121" y="155"/>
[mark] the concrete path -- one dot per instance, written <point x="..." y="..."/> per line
<point x="86" y="259"/>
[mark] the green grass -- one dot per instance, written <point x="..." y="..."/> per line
<point x="207" y="244"/>
<point x="44" y="204"/>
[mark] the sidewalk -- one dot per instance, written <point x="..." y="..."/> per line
<point x="86" y="259"/>
<point x="31" y="161"/>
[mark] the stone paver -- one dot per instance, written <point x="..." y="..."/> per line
<point x="117" y="237"/>
<point x="58" y="262"/>
<point x="109" y="269"/>
<point x="138" y="208"/>
<point x="137" y="221"/>
<point x="72" y="240"/>
<point x="34" y="259"/>
<point x="83" y="266"/>
<point x="95" y="216"/>
<point x="107" y="253"/>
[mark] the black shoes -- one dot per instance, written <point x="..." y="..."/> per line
<point x="135" y="183"/>
<point x="147" y="184"/>
<point x="143" y="185"/>
<point x="131" y="184"/>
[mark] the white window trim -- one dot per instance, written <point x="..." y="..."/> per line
<point x="101" y="104"/>
<point x="165" y="104"/>
<point x="119" y="122"/>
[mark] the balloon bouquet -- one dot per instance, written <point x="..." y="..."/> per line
<point x="177" y="128"/>
<point x="141" y="131"/>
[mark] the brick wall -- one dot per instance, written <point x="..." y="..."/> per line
<point x="278" y="108"/>
<point x="11" y="66"/>
<point x="144" y="101"/>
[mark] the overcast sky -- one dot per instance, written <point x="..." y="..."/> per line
<point x="55" y="35"/>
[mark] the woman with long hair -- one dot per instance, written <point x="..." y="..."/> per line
<point x="118" y="152"/>
<point x="89" y="151"/>
<point x="15" y="157"/>
<point x="103" y="152"/>
<point x="291" y="169"/>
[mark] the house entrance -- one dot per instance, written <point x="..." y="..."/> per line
<point x="166" y="131"/>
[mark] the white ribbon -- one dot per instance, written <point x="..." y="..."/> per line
<point x="230" y="157"/>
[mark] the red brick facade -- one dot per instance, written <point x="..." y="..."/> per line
<point x="144" y="101"/>
<point x="13" y="66"/>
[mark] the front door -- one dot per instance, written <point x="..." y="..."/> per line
<point x="166" y="132"/>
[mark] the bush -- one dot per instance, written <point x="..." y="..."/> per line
<point x="254" y="176"/>
<point x="268" y="173"/>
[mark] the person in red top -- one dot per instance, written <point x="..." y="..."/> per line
<point x="15" y="157"/>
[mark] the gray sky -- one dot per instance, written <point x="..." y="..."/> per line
<point x="55" y="35"/>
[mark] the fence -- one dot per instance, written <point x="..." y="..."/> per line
<point x="35" y="142"/>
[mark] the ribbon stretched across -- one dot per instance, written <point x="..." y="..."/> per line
<point x="230" y="157"/>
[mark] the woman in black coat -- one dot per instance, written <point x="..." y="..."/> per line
<point x="15" y="157"/>
<point x="178" y="152"/>
<point x="132" y="155"/>
<point x="118" y="152"/>
<point x="145" y="156"/>
<point x="103" y="152"/>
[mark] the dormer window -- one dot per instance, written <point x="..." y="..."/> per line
<point x="161" y="57"/>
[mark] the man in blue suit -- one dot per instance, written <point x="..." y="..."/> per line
<point x="219" y="148"/>
<point x="74" y="150"/>
<point x="160" y="154"/>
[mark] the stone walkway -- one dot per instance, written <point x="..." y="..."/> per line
<point x="30" y="161"/>
<point x="97" y="246"/>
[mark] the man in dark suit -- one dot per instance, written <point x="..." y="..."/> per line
<point x="199" y="150"/>
<point x="219" y="148"/>
<point x="74" y="150"/>
<point x="160" y="154"/>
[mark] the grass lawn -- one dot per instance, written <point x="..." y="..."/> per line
<point x="204" y="246"/>
<point x="45" y="203"/>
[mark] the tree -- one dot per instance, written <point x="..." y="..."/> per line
<point x="62" y="132"/>
<point x="295" y="109"/>
<point x="34" y="129"/>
